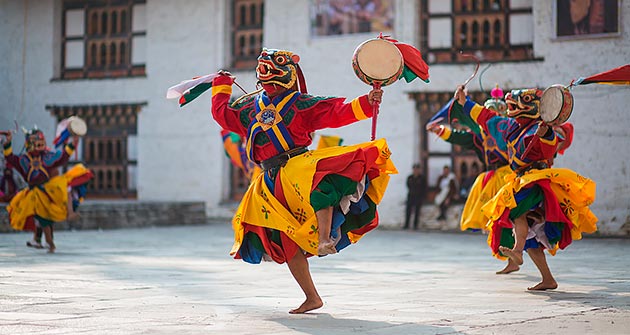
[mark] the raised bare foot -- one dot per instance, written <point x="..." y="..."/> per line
<point x="542" y="286"/>
<point x="509" y="268"/>
<point x="326" y="248"/>
<point x="308" y="305"/>
<point x="514" y="255"/>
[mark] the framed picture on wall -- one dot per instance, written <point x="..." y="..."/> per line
<point x="586" y="18"/>
<point x="341" y="17"/>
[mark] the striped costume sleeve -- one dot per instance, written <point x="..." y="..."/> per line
<point x="335" y="112"/>
<point x="479" y="114"/>
<point x="223" y="114"/>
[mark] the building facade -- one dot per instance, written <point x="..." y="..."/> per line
<point x="111" y="61"/>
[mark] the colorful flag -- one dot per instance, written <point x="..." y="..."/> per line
<point x="616" y="76"/>
<point x="189" y="90"/>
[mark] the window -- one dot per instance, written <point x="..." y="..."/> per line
<point x="109" y="148"/>
<point x="103" y="39"/>
<point x="494" y="30"/>
<point x="247" y="25"/>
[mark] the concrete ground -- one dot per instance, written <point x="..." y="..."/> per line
<point x="180" y="280"/>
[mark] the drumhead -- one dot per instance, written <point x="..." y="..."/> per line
<point x="77" y="126"/>
<point x="551" y="104"/>
<point x="379" y="59"/>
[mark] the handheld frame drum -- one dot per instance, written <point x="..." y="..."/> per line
<point x="377" y="62"/>
<point x="72" y="126"/>
<point x="556" y="106"/>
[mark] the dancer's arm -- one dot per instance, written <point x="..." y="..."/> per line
<point x="335" y="112"/>
<point x="228" y="118"/>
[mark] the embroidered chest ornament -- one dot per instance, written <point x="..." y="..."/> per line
<point x="268" y="117"/>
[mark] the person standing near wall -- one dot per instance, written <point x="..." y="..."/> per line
<point x="416" y="186"/>
<point x="447" y="191"/>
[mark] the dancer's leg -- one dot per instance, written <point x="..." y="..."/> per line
<point x="520" y="235"/>
<point x="548" y="282"/>
<point x="324" y="221"/>
<point x="49" y="239"/>
<point x="298" y="265"/>
<point x="37" y="239"/>
<point x="72" y="215"/>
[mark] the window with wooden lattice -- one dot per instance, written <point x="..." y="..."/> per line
<point x="493" y="30"/>
<point x="109" y="148"/>
<point x="103" y="39"/>
<point x="247" y="32"/>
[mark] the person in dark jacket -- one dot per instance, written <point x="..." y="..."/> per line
<point x="416" y="186"/>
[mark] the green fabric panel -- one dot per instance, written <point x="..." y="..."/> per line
<point x="330" y="190"/>
<point x="234" y="137"/>
<point x="307" y="101"/>
<point x="275" y="237"/>
<point x="462" y="138"/>
<point x="195" y="92"/>
<point x="44" y="222"/>
<point x="244" y="114"/>
<point x="261" y="138"/>
<point x="357" y="221"/>
<point x="408" y="75"/>
<point x="256" y="241"/>
<point x="288" y="117"/>
<point x="507" y="238"/>
<point x="534" y="197"/>
<point x="457" y="112"/>
<point x="559" y="226"/>
<point x="242" y="103"/>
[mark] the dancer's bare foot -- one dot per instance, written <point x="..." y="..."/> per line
<point x="34" y="244"/>
<point x="509" y="268"/>
<point x="542" y="286"/>
<point x="51" y="248"/>
<point x="514" y="255"/>
<point x="326" y="248"/>
<point x="308" y="305"/>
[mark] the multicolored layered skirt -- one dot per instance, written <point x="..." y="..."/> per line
<point x="276" y="217"/>
<point x="48" y="202"/>
<point x="558" y="200"/>
<point x="486" y="185"/>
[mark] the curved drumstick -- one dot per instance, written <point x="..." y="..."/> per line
<point x="476" y="67"/>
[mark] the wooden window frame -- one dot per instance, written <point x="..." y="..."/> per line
<point x="104" y="147"/>
<point x="247" y="33"/>
<point x="498" y="49"/>
<point x="101" y="35"/>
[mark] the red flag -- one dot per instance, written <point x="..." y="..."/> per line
<point x="616" y="76"/>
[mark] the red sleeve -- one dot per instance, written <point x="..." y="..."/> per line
<point x="223" y="114"/>
<point x="335" y="112"/>
<point x="547" y="144"/>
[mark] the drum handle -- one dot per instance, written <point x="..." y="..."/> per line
<point x="375" y="110"/>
